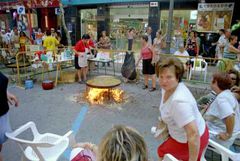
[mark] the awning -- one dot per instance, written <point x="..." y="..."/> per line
<point x="87" y="2"/>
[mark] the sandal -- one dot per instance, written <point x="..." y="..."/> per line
<point x="152" y="90"/>
<point x="145" y="87"/>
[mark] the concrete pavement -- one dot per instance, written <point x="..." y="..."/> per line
<point x="55" y="111"/>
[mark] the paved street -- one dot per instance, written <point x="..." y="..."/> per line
<point x="55" y="111"/>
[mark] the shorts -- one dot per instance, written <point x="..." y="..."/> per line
<point x="76" y="63"/>
<point x="172" y="147"/>
<point x="148" y="68"/>
<point x="4" y="127"/>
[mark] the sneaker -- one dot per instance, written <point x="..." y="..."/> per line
<point x="80" y="82"/>
<point x="145" y="87"/>
<point x="152" y="90"/>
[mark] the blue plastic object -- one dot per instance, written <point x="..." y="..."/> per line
<point x="28" y="84"/>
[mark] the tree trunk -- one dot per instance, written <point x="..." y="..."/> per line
<point x="64" y="23"/>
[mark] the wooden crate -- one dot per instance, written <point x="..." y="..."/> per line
<point x="68" y="77"/>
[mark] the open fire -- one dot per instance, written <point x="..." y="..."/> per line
<point x="104" y="95"/>
<point x="103" y="90"/>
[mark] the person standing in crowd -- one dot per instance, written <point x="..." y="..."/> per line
<point x="23" y="41"/>
<point x="223" y="114"/>
<point x="5" y="98"/>
<point x="33" y="35"/>
<point x="53" y="33"/>
<point x="130" y="37"/>
<point x="188" y="133"/>
<point x="92" y="53"/>
<point x="81" y="49"/>
<point x="104" y="43"/>
<point x="15" y="37"/>
<point x="220" y="44"/>
<point x="148" y="68"/>
<point x="158" y="45"/>
<point x="183" y="53"/>
<point x="39" y="37"/>
<point x="178" y="40"/>
<point x="149" y="35"/>
<point x="15" y="40"/>
<point x="44" y="35"/>
<point x="198" y="40"/>
<point x="234" y="75"/>
<point x="50" y="43"/>
<point x="192" y="45"/>
<point x="230" y="51"/>
<point x="5" y="39"/>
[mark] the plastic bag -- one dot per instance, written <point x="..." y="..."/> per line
<point x="128" y="69"/>
<point x="85" y="155"/>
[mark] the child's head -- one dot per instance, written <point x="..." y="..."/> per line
<point x="122" y="143"/>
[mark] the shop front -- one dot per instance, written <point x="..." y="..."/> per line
<point x="34" y="14"/>
<point x="7" y="15"/>
<point x="118" y="16"/>
<point x="121" y="19"/>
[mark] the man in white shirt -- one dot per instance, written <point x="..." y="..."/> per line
<point x="5" y="39"/>
<point x="221" y="44"/>
<point x="182" y="52"/>
<point x="15" y="36"/>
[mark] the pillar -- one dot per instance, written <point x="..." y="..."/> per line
<point x="154" y="17"/>
<point x="72" y="20"/>
<point x="103" y="20"/>
<point x="170" y="26"/>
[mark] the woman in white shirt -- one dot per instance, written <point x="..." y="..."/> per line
<point x="222" y="116"/>
<point x="188" y="134"/>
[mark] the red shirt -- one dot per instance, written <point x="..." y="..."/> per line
<point x="80" y="46"/>
<point x="91" y="44"/>
<point x="146" y="53"/>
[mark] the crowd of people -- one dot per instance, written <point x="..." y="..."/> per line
<point x="190" y="122"/>
<point x="16" y="40"/>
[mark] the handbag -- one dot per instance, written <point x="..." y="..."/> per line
<point x="84" y="155"/>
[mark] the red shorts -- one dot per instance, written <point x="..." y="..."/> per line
<point x="180" y="150"/>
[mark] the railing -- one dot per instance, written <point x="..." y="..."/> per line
<point x="199" y="73"/>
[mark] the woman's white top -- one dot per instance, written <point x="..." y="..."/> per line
<point x="179" y="110"/>
<point x="223" y="106"/>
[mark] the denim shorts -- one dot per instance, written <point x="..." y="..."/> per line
<point x="4" y="127"/>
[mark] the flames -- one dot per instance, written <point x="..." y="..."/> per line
<point x="102" y="96"/>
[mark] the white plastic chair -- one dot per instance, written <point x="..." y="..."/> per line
<point x="169" y="157"/>
<point x="225" y="153"/>
<point x="43" y="147"/>
<point x="198" y="68"/>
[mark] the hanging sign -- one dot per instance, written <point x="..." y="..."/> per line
<point x="57" y="11"/>
<point x="21" y="10"/>
<point x="153" y="4"/>
<point x="214" y="16"/>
